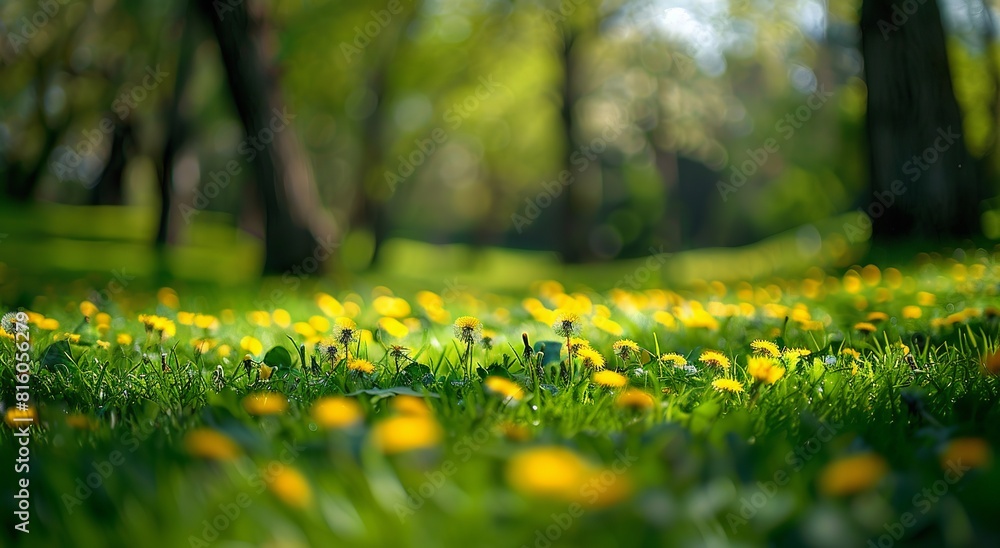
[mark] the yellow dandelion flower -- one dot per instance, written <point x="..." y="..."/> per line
<point x="634" y="399"/>
<point x="224" y="350"/>
<point x="865" y="327"/>
<point x="266" y="371"/>
<point x="88" y="309"/>
<point x="259" y="318"/>
<point x="674" y="359"/>
<point x="765" y="348"/>
<point x="206" y="321"/>
<point x="337" y="412"/>
<point x="16" y="418"/>
<point x="392" y="307"/>
<point x="103" y="319"/>
<point x="468" y="329"/>
<point x="850" y="475"/>
<point x="406" y="433"/>
<point x="610" y="379"/>
<point x="764" y="369"/>
<point x="665" y="319"/>
<point x="504" y="387"/>
<point x="80" y="421"/>
<point x="281" y="318"/>
<point x="850" y="352"/>
<point x="714" y="357"/>
<point x="554" y="472"/>
<point x="608" y="326"/>
<point x="207" y="443"/>
<point x="393" y="327"/>
<point x="265" y="403"/>
<point x="168" y="297"/>
<point x="185" y="318"/>
<point x="876" y="317"/>
<point x="363" y="366"/>
<point x="625" y="348"/>
<point x="971" y="452"/>
<point x="410" y="405"/>
<point x="252" y="345"/>
<point x="123" y="339"/>
<point x="567" y="324"/>
<point x="104" y="345"/>
<point x="926" y="299"/>
<point x="48" y="324"/>
<point x="577" y="344"/>
<point x="591" y="358"/>
<point x="912" y="312"/>
<point x="727" y="385"/>
<point x="289" y="485"/>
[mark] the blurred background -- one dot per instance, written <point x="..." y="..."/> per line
<point x="218" y="140"/>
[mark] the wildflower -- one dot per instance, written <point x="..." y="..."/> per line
<point x="972" y="452"/>
<point x="104" y="345"/>
<point x="123" y="339"/>
<point x="991" y="363"/>
<point x="713" y="357"/>
<point x="507" y="388"/>
<point x="265" y="403"/>
<point x="468" y="329"/>
<point x="912" y="312"/>
<point x="252" y="345"/>
<point x="625" y="348"/>
<point x="634" y="399"/>
<point x="554" y="472"/>
<point x="202" y="346"/>
<point x="289" y="485"/>
<point x="850" y="475"/>
<point x="727" y="385"/>
<point x="88" y="309"/>
<point x="81" y="422"/>
<point x="876" y="317"/>
<point x="610" y="379"/>
<point x="865" y="327"/>
<point x="266" y="371"/>
<point x="48" y="324"/>
<point x="391" y="306"/>
<point x="850" y="352"/>
<point x="406" y="433"/>
<point x="8" y="323"/>
<point x="398" y="351"/>
<point x="577" y="344"/>
<point x="16" y="418"/>
<point x="168" y="297"/>
<point x="393" y="327"/>
<point x="207" y="443"/>
<point x="345" y="331"/>
<point x="764" y="369"/>
<point x="591" y="358"/>
<point x="765" y="348"/>
<point x="363" y="366"/>
<point x="336" y="412"/>
<point x="567" y="324"/>
<point x="608" y="326"/>
<point x="488" y="338"/>
<point x="411" y="405"/>
<point x="673" y="359"/>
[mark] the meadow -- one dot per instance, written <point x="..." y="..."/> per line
<point x="840" y="408"/>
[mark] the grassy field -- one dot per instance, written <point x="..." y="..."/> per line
<point x="840" y="408"/>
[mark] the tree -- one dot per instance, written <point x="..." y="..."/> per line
<point x="295" y="223"/>
<point x="921" y="175"/>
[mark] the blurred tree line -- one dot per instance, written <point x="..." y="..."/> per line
<point x="594" y="129"/>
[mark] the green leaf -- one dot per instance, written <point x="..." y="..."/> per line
<point x="58" y="355"/>
<point x="278" y="357"/>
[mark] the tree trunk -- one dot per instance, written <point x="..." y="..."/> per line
<point x="570" y="226"/>
<point x="921" y="175"/>
<point x="109" y="189"/>
<point x="295" y="223"/>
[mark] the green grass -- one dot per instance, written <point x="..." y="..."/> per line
<point x="698" y="467"/>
